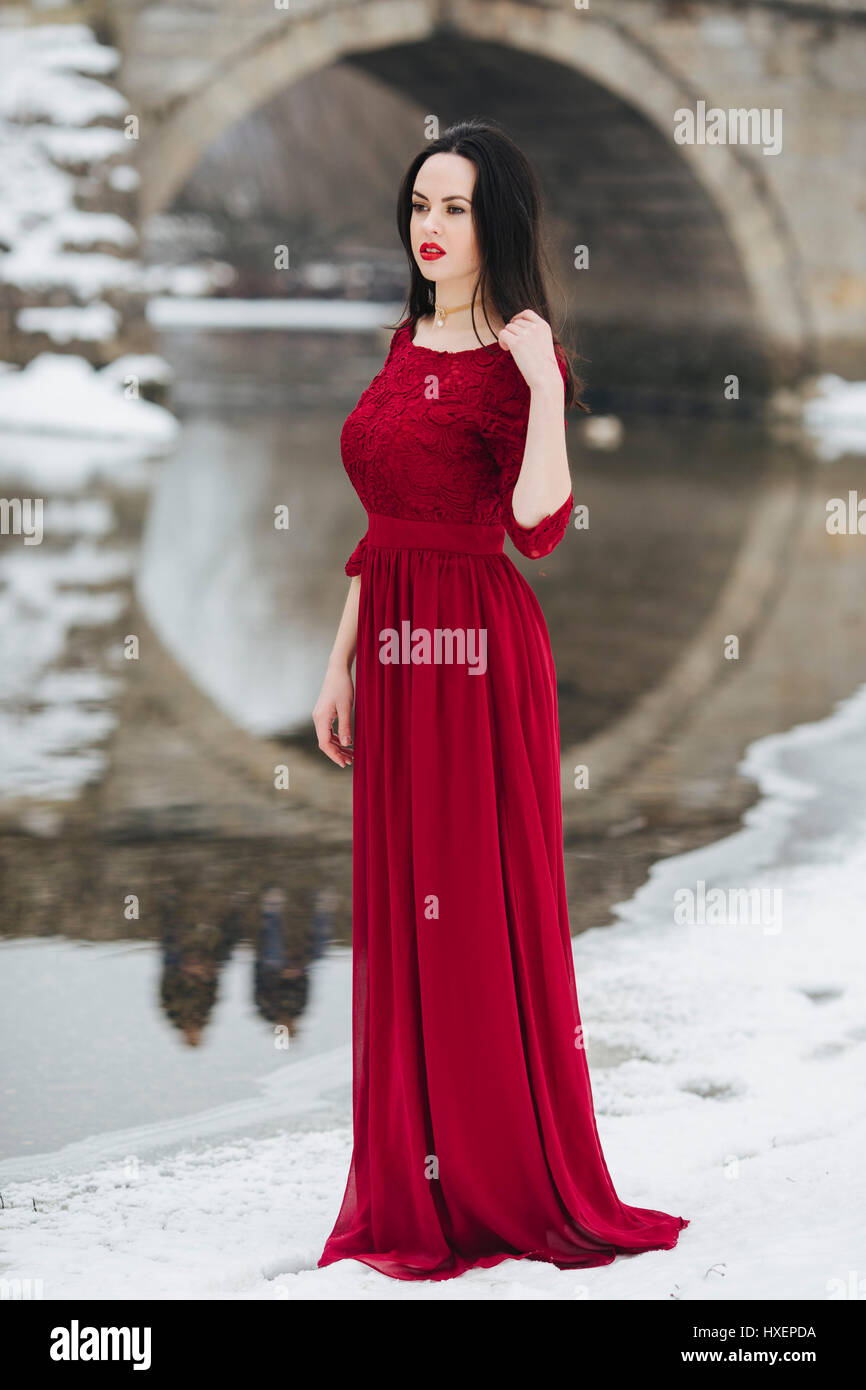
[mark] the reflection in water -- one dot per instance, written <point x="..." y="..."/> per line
<point x="250" y="610"/>
<point x="282" y="981"/>
<point x="288" y="924"/>
<point x="185" y="820"/>
<point x="197" y="1001"/>
<point x="194" y="952"/>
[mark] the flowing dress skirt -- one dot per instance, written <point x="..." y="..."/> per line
<point x="474" y="1131"/>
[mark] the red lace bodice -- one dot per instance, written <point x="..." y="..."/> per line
<point x="439" y="436"/>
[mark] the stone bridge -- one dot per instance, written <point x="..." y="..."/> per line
<point x="728" y="244"/>
<point x="720" y="246"/>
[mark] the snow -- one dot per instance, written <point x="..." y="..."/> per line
<point x="124" y="178"/>
<point x="47" y="722"/>
<point x="321" y="314"/>
<point x="34" y="190"/>
<point x="739" y="1104"/>
<point x="51" y="104"/>
<point x="88" y="145"/>
<point x="726" y="1059"/>
<point x="78" y="228"/>
<point x="145" y="367"/>
<point x="84" y="400"/>
<point x="48" y="75"/>
<point x="53" y="752"/>
<point x="183" y="281"/>
<point x="63" y="425"/>
<point x="39" y="263"/>
<point x="66" y="463"/>
<point x="836" y="417"/>
<point x="70" y="324"/>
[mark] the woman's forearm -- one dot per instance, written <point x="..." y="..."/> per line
<point x="543" y="484"/>
<point x="343" y="650"/>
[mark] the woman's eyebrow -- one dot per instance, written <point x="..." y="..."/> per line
<point x="452" y="197"/>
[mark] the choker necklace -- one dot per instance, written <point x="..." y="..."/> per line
<point x="442" y="313"/>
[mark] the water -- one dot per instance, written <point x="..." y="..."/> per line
<point x="176" y="931"/>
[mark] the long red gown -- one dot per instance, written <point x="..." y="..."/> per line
<point x="475" y="1138"/>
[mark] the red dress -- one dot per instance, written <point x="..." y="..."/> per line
<point x="474" y="1131"/>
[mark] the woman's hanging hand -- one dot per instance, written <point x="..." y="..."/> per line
<point x="335" y="702"/>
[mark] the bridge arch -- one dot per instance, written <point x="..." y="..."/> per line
<point x="632" y="70"/>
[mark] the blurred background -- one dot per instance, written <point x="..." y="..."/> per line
<point x="198" y="266"/>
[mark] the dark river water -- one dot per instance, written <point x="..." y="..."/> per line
<point x="170" y="944"/>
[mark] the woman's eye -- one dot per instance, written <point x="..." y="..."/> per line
<point x="419" y="207"/>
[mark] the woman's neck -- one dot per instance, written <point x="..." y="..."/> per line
<point x="458" y="331"/>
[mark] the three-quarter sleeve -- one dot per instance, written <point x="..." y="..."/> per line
<point x="538" y="541"/>
<point x="504" y="427"/>
<point x="355" y="560"/>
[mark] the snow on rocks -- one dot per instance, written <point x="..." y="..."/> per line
<point x="67" y="198"/>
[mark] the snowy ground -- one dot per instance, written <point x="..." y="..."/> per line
<point x="738" y="1100"/>
<point x="728" y="1058"/>
<point x="835" y="417"/>
<point x="71" y="437"/>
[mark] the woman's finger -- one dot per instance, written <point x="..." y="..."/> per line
<point x="341" y="753"/>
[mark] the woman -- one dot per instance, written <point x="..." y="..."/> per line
<point x="474" y="1132"/>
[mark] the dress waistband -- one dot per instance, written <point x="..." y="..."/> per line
<point x="475" y="538"/>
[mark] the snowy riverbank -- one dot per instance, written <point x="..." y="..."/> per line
<point x="727" y="1071"/>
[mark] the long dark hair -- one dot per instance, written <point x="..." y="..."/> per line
<point x="506" y="206"/>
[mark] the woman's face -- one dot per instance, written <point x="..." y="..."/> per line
<point x="442" y="217"/>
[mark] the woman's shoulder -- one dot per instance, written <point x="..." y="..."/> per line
<point x="399" y="335"/>
<point x="488" y="375"/>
